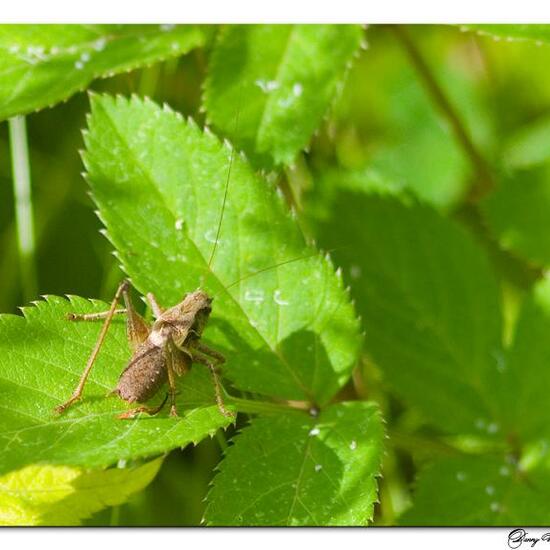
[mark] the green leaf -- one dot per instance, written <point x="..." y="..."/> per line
<point x="517" y="212"/>
<point x="529" y="146"/>
<point x="159" y="182"/>
<point x="539" y="34"/>
<point x="297" y="470"/>
<point x="41" y="65"/>
<point x="281" y="79"/>
<point x="523" y="394"/>
<point x="386" y="120"/>
<point x="477" y="491"/>
<point x="61" y="495"/>
<point x="429" y="301"/>
<point x="41" y="359"/>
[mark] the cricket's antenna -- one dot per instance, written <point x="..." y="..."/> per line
<point x="291" y="260"/>
<point x="226" y="185"/>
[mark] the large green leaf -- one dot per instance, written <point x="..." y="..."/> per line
<point x="41" y="65"/>
<point x="429" y="302"/>
<point x="159" y="182"/>
<point x="62" y="495"/>
<point x="539" y="34"/>
<point x="517" y="212"/>
<point x="294" y="469"/>
<point x="281" y="80"/>
<point x="478" y="491"/>
<point x="41" y="358"/>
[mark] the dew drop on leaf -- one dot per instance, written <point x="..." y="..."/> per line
<point x="256" y="296"/>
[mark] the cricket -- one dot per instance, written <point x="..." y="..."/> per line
<point x="163" y="350"/>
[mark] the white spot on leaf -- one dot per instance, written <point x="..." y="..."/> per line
<point x="277" y="298"/>
<point x="267" y="86"/>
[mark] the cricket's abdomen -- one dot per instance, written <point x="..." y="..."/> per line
<point x="144" y="375"/>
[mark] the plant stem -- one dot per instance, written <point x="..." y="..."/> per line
<point x="253" y="406"/>
<point x="115" y="516"/>
<point x="23" y="205"/>
<point x="485" y="181"/>
<point x="222" y="442"/>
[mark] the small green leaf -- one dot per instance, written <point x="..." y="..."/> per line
<point x="537" y="33"/>
<point x="159" y="182"/>
<point x="61" y="495"/>
<point x="517" y="211"/>
<point x="41" y="65"/>
<point x="41" y="359"/>
<point x="297" y="470"/>
<point x="282" y="79"/>
<point x="529" y="146"/>
<point x="429" y="302"/>
<point x="480" y="491"/>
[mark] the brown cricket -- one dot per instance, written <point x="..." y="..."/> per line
<point x="160" y="351"/>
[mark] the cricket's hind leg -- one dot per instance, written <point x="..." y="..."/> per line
<point x="204" y="355"/>
<point x="132" y="413"/>
<point x="137" y="331"/>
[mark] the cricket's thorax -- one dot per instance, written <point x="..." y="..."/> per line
<point x="186" y="320"/>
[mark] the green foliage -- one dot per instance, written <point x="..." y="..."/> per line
<point x="527" y="374"/>
<point x="379" y="153"/>
<point x="159" y="183"/>
<point x="281" y="79"/>
<point x="435" y="331"/>
<point x="518" y="213"/>
<point x="72" y="494"/>
<point x="300" y="470"/>
<point x="394" y="126"/>
<point x="41" y="65"/>
<point x="445" y="318"/>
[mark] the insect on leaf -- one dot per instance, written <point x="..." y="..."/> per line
<point x="41" y="65"/>
<point x="159" y="182"/>
<point x="297" y="470"/>
<point x="42" y="356"/>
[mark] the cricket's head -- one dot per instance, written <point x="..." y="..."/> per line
<point x="197" y="306"/>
